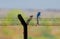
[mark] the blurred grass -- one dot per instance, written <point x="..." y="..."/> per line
<point x="47" y="22"/>
<point x="43" y="32"/>
<point x="33" y="22"/>
<point x="34" y="32"/>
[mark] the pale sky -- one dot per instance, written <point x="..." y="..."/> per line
<point x="30" y="4"/>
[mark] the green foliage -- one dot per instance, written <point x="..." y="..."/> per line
<point x="31" y="23"/>
<point x="30" y="38"/>
<point x="12" y="17"/>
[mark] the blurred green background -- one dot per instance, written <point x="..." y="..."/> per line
<point x="12" y="19"/>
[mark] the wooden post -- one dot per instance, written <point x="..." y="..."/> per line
<point x="24" y="25"/>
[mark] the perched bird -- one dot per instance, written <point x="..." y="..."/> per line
<point x="38" y="14"/>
